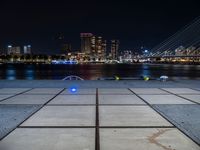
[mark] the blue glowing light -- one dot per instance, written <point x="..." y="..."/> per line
<point x="146" y="51"/>
<point x="73" y="89"/>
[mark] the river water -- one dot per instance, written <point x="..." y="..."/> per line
<point x="95" y="71"/>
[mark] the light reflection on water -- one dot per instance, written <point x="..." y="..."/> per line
<point x="10" y="74"/>
<point x="95" y="71"/>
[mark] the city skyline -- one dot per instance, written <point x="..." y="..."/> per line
<point x="135" y="24"/>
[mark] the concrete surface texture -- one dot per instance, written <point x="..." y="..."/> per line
<point x="195" y="98"/>
<point x="185" y="117"/>
<point x="45" y="91"/>
<point x="145" y="139"/>
<point x="120" y="99"/>
<point x="63" y="116"/>
<point x="13" y="90"/>
<point x="130" y="116"/>
<point x="148" y="91"/>
<point x="12" y="115"/>
<point x="78" y="91"/>
<point x="122" y="116"/>
<point x="28" y="99"/>
<point x="73" y="99"/>
<point x="49" y="139"/>
<point x="4" y="96"/>
<point x="114" y="91"/>
<point x="164" y="99"/>
<point x="181" y="90"/>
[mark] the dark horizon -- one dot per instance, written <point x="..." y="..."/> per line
<point x="135" y="24"/>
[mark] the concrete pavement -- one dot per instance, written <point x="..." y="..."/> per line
<point x="100" y="119"/>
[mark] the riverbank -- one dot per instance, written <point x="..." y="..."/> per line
<point x="99" y="84"/>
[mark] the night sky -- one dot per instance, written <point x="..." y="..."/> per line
<point x="135" y="23"/>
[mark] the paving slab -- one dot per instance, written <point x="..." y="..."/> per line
<point x="195" y="98"/>
<point x="63" y="116"/>
<point x="185" y="117"/>
<point x="130" y="116"/>
<point x="164" y="99"/>
<point x="44" y="91"/>
<point x="119" y="99"/>
<point x="114" y="91"/>
<point x="5" y="96"/>
<point x="49" y="139"/>
<point x="12" y="115"/>
<point x="148" y="91"/>
<point x="74" y="99"/>
<point x="28" y="99"/>
<point x="90" y="91"/>
<point x="13" y="90"/>
<point x="145" y="139"/>
<point x="182" y="90"/>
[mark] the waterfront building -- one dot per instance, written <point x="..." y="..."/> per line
<point x="114" y="49"/>
<point x="27" y="49"/>
<point x="13" y="50"/>
<point x="100" y="48"/>
<point x="93" y="46"/>
<point x="86" y="43"/>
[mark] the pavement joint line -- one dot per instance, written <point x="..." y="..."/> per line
<point x="56" y="127"/>
<point x="41" y="93"/>
<point x="114" y="94"/>
<point x="97" y="134"/>
<point x="163" y="114"/>
<point x="76" y="94"/>
<point x="15" y="95"/>
<point x="41" y="106"/>
<point x="181" y="96"/>
<point x="95" y="104"/>
<point x="38" y="94"/>
<point x="95" y="127"/>
<point x="71" y="105"/>
<point x="143" y="127"/>
<point x="122" y="104"/>
<point x="195" y="90"/>
<point x="155" y="94"/>
<point x="152" y="107"/>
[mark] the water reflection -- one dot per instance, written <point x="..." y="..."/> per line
<point x="145" y="70"/>
<point x="95" y="71"/>
<point x="10" y="73"/>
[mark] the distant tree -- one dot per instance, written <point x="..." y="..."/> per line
<point x="22" y="57"/>
<point x="8" y="57"/>
<point x="3" y="57"/>
<point x="62" y="57"/>
<point x="28" y="57"/>
<point x="15" y="57"/>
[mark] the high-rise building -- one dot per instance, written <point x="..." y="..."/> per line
<point x="86" y="43"/>
<point x="114" y="49"/>
<point x="27" y="49"/>
<point x="13" y="50"/>
<point x="93" y="46"/>
<point x="101" y="48"/>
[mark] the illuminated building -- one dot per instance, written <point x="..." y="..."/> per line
<point x="27" y="49"/>
<point x="93" y="46"/>
<point x="114" y="49"/>
<point x="100" y="48"/>
<point x="86" y="43"/>
<point x="13" y="50"/>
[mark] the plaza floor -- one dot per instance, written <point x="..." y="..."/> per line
<point x="99" y="119"/>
